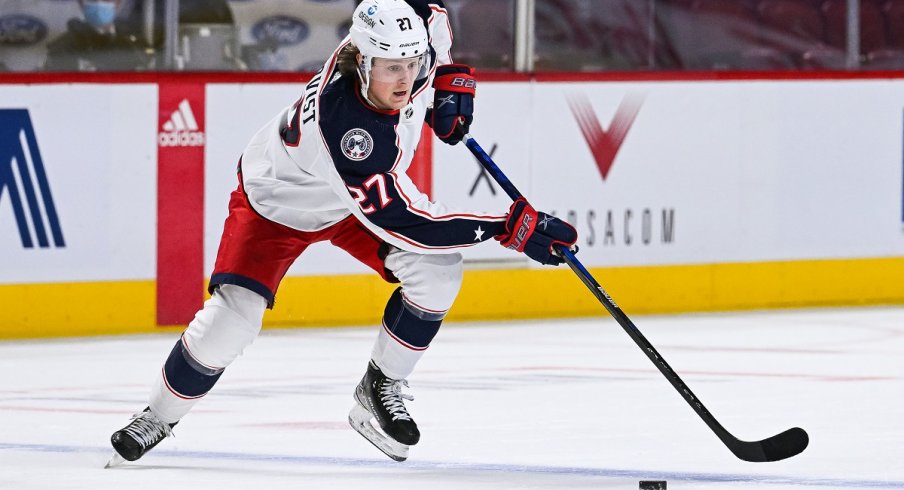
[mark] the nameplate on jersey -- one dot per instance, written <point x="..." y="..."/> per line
<point x="357" y="144"/>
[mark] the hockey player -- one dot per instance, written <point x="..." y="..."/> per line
<point x="332" y="168"/>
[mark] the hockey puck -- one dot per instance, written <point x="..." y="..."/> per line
<point x="652" y="485"/>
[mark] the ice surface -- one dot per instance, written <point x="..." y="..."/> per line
<point x="544" y="404"/>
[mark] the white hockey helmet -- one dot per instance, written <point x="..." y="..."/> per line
<point x="388" y="29"/>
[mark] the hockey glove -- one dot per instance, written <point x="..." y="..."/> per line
<point x="453" y="102"/>
<point x="535" y="233"/>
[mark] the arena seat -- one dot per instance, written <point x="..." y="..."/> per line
<point x="793" y="26"/>
<point x="885" y="59"/>
<point x="824" y="58"/>
<point x="708" y="34"/>
<point x="475" y="43"/>
<point x="765" y="58"/>
<point x="872" y="28"/>
<point x="893" y="13"/>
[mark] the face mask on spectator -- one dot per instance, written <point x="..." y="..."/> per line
<point x="100" y="14"/>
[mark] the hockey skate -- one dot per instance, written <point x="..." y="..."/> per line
<point x="143" y="433"/>
<point x="381" y="398"/>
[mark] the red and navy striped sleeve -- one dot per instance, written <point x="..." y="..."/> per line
<point x="364" y="149"/>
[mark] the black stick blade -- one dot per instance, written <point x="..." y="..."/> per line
<point x="776" y="448"/>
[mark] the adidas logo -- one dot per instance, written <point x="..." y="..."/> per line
<point x="181" y="129"/>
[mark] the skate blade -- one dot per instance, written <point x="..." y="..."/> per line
<point x="359" y="419"/>
<point x="116" y="460"/>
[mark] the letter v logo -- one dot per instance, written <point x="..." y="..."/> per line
<point x="604" y="144"/>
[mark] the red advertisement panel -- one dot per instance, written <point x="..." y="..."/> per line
<point x="421" y="169"/>
<point x="180" y="202"/>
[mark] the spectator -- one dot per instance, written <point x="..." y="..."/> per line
<point x="100" y="42"/>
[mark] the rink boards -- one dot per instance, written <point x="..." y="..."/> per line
<point x="688" y="195"/>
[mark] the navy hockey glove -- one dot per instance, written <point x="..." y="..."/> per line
<point x="453" y="102"/>
<point x="535" y="233"/>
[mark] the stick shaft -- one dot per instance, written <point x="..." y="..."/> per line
<point x="778" y="447"/>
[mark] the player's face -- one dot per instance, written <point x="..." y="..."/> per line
<point x="391" y="81"/>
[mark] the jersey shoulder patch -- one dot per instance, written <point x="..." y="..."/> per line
<point x="357" y="144"/>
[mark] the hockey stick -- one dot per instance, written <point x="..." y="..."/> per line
<point x="780" y="446"/>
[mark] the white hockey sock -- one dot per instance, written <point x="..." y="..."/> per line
<point x="229" y="322"/>
<point x="395" y="358"/>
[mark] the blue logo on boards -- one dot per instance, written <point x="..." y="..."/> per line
<point x="281" y="29"/>
<point x="23" y="178"/>
<point x="21" y="30"/>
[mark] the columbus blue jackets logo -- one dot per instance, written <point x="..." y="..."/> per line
<point x="23" y="179"/>
<point x="357" y="144"/>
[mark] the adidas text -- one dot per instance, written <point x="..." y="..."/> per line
<point x="181" y="138"/>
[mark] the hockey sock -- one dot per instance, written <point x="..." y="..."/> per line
<point x="185" y="376"/>
<point x="408" y="324"/>
<point x="406" y="333"/>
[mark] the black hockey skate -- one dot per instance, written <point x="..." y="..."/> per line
<point x="381" y="398"/>
<point x="143" y="433"/>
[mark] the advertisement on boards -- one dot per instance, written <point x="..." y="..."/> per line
<point x="77" y="183"/>
<point x="686" y="173"/>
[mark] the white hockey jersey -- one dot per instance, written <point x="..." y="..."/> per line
<point x="331" y="154"/>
